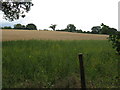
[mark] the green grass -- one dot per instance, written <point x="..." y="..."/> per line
<point x="40" y="63"/>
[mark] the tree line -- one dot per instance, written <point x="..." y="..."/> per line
<point x="23" y="27"/>
<point x="102" y="29"/>
<point x="14" y="10"/>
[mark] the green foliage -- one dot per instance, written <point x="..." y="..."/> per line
<point x="15" y="10"/>
<point x="19" y="26"/>
<point x="79" y="31"/>
<point x="31" y="27"/>
<point x="40" y="63"/>
<point x="107" y="30"/>
<point x="6" y="27"/>
<point x="103" y="29"/>
<point x="53" y="26"/>
<point x="71" y="28"/>
<point x="115" y="41"/>
<point x="22" y="27"/>
<point x="96" y="29"/>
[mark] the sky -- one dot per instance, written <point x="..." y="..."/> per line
<point x="84" y="14"/>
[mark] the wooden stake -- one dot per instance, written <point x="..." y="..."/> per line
<point x="82" y="75"/>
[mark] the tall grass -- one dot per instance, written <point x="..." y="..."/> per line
<point x="40" y="63"/>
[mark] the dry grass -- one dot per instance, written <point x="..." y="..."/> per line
<point x="48" y="35"/>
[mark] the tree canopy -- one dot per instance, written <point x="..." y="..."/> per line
<point x="103" y="29"/>
<point x="14" y="10"/>
<point x="107" y="30"/>
<point x="53" y="26"/>
<point x="6" y="27"/>
<point x="96" y="29"/>
<point x="19" y="26"/>
<point x="71" y="28"/>
<point x="31" y="27"/>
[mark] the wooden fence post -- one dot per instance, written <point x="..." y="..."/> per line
<point x="82" y="75"/>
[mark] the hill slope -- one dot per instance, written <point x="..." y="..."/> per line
<point x="48" y="35"/>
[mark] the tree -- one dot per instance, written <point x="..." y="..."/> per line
<point x="107" y="30"/>
<point x="19" y="26"/>
<point x="14" y="10"/>
<point x="84" y="31"/>
<point x="71" y="28"/>
<point x="53" y="26"/>
<point x="23" y="27"/>
<point x="96" y="29"/>
<point x="31" y="27"/>
<point x="115" y="41"/>
<point x="88" y="32"/>
<point x="6" y="27"/>
<point x="79" y="31"/>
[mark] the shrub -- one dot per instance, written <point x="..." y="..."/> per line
<point x="115" y="41"/>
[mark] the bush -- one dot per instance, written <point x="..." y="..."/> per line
<point x="115" y="41"/>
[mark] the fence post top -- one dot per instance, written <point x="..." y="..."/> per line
<point x="80" y="54"/>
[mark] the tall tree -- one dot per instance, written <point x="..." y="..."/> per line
<point x="53" y="26"/>
<point x="14" y="10"/>
<point x="71" y="28"/>
<point x="96" y="29"/>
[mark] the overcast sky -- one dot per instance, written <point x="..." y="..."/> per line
<point x="84" y="14"/>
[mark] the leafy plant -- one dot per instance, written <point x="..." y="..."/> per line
<point x="115" y="41"/>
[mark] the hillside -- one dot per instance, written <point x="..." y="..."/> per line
<point x="48" y="35"/>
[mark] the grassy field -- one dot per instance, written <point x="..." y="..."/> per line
<point x="8" y="35"/>
<point x="47" y="63"/>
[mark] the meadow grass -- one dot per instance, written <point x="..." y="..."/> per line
<point x="43" y="63"/>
